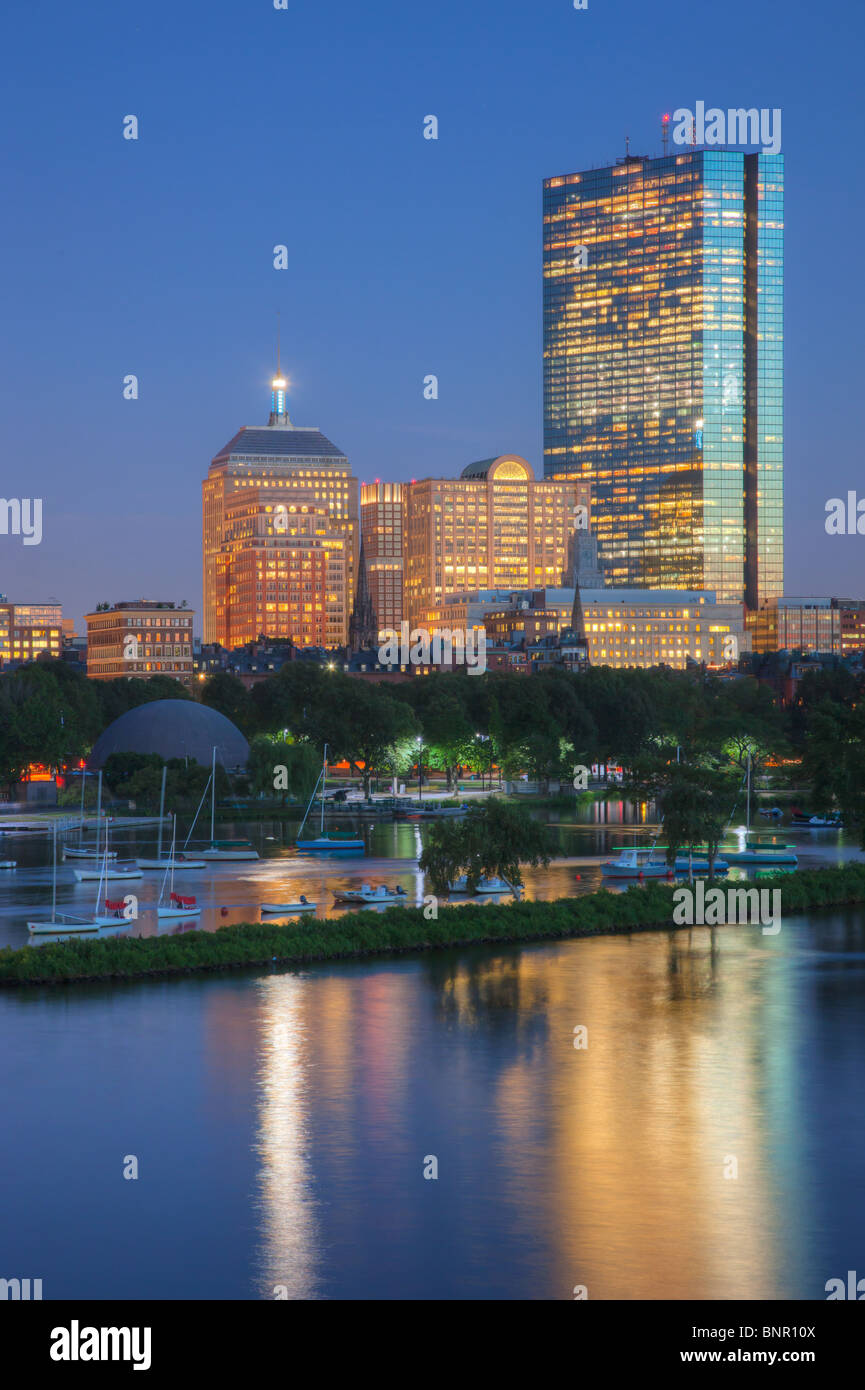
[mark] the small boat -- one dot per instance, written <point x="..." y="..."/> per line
<point x="107" y="871"/>
<point x="178" y="905"/>
<point x="699" y="866"/>
<point x="636" y="863"/>
<point x="492" y="885"/>
<point x="760" y="856"/>
<point x="8" y="863"/>
<point x="325" y="844"/>
<point x="368" y="894"/>
<point x="183" y="861"/>
<point x="771" y="812"/>
<point x="230" y="850"/>
<point x="285" y="909"/>
<point x="70" y="853"/>
<point x="67" y="926"/>
<point x="832" y="822"/>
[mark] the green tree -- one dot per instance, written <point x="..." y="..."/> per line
<point x="494" y="839"/>
<point x="229" y="696"/>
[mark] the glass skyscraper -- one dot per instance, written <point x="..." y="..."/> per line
<point x="663" y="372"/>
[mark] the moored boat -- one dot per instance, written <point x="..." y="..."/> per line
<point x="636" y="863"/>
<point x="367" y="894"/>
<point x="325" y="844"/>
<point x="106" y="871"/>
<point x="287" y="909"/>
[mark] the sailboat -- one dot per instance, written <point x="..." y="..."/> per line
<point x="82" y="851"/>
<point x="224" y="849"/>
<point x="70" y="924"/>
<point x="757" y="855"/>
<point x="186" y="862"/>
<point x="177" y="906"/>
<point x="106" y="870"/>
<point x="325" y="843"/>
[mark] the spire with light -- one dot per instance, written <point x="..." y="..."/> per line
<point x="278" y="386"/>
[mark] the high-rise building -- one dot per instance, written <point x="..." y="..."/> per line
<point x="140" y="638"/>
<point x="258" y="488"/>
<point x="663" y="377"/>
<point x="381" y="519"/>
<point x="494" y="527"/>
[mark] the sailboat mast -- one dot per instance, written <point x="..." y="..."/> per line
<point x="213" y="800"/>
<point x="161" y="811"/>
<point x="54" y="877"/>
<point x="99" y="812"/>
<point x="748" y="821"/>
<point x="81" y="826"/>
<point x="323" y="786"/>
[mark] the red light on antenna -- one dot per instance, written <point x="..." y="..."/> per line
<point x="666" y="116"/>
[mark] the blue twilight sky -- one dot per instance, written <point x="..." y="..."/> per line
<point x="303" y="126"/>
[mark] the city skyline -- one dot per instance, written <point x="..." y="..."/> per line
<point x="431" y="266"/>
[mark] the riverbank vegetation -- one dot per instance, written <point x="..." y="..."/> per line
<point x="497" y="726"/>
<point x="395" y="931"/>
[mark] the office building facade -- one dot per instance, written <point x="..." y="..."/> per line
<point x="663" y="374"/>
<point x="140" y="638"/>
<point x="381" y="520"/>
<point x="494" y="527"/>
<point x="283" y="472"/>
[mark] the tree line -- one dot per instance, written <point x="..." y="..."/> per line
<point x="542" y="725"/>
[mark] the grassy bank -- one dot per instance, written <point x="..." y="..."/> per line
<point x="398" y="930"/>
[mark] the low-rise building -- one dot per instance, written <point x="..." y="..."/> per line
<point x="623" y="627"/>
<point x="141" y="638"/>
<point x="29" y="630"/>
<point x="835" y="626"/>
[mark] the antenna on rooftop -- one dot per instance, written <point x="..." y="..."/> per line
<point x="665" y="132"/>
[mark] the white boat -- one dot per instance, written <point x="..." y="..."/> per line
<point x="106" y="871"/>
<point x="484" y="885"/>
<point x="368" y="894"/>
<point x="325" y="844"/>
<point x="69" y="925"/>
<point x="70" y="853"/>
<point x="178" y="905"/>
<point x="493" y="885"/>
<point x="8" y="863"/>
<point x="285" y="909"/>
<point x="62" y="924"/>
<point x="183" y="861"/>
<point x="635" y="863"/>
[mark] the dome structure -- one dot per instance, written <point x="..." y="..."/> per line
<point x="173" y="729"/>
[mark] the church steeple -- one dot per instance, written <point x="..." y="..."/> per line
<point x="278" y="387"/>
<point x="363" y="625"/>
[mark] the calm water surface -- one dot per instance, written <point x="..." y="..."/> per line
<point x="281" y="1122"/>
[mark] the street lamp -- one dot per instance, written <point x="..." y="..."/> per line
<point x="419" y="742"/>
